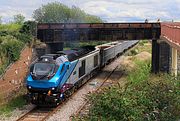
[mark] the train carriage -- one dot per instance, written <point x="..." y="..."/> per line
<point x="55" y="76"/>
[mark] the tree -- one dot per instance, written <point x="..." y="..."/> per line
<point x="19" y="19"/>
<point x="0" y="19"/>
<point x="52" y="12"/>
<point x="56" y="12"/>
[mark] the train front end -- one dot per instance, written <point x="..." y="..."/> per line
<point x="44" y="80"/>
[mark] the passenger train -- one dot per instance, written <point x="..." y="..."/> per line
<point x="54" y="77"/>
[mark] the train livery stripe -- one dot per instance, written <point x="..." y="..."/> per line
<point x="68" y="74"/>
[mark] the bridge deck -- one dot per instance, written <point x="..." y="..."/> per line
<point x="59" y="32"/>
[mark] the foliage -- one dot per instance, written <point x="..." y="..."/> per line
<point x="145" y="97"/>
<point x="141" y="72"/>
<point x="56" y="12"/>
<point x="17" y="102"/>
<point x="19" y="19"/>
<point x="29" y="28"/>
<point x="143" y="45"/>
<point x="13" y="37"/>
<point x="11" y="47"/>
<point x="25" y="38"/>
<point x="142" y="42"/>
<point x="12" y="27"/>
<point x="0" y="19"/>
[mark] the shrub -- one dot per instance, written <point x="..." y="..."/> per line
<point x="25" y="38"/>
<point x="141" y="72"/>
<point x="12" y="47"/>
<point x="11" y="43"/>
<point x="12" y="27"/>
<point x="146" y="97"/>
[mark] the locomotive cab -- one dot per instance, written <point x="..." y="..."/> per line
<point x="45" y="76"/>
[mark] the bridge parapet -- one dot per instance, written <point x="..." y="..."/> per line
<point x="171" y="31"/>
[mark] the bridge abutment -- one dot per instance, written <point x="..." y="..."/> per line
<point x="165" y="58"/>
<point x="161" y="56"/>
<point x="155" y="56"/>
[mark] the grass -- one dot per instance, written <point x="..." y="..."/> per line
<point x="141" y="72"/>
<point x="17" y="101"/>
<point x="143" y="45"/>
<point x="145" y="97"/>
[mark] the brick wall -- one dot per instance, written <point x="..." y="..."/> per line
<point x="15" y="74"/>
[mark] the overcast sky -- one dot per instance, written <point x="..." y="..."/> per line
<point x="108" y="10"/>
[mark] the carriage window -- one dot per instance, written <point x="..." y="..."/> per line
<point x="95" y="60"/>
<point x="82" y="68"/>
<point x="74" y="73"/>
<point x="62" y="68"/>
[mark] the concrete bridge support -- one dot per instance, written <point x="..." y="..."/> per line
<point x="174" y="62"/>
<point x="155" y="56"/>
<point x="165" y="58"/>
<point x="161" y="56"/>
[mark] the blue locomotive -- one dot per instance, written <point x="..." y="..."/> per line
<point x="53" y="77"/>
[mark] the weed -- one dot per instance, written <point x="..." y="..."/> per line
<point x="17" y="102"/>
<point x="146" y="97"/>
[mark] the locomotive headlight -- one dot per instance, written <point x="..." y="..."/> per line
<point x="53" y="88"/>
<point x="29" y="87"/>
<point x="61" y="95"/>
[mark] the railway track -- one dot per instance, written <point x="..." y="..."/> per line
<point x="36" y="114"/>
<point x="42" y="114"/>
<point x="83" y="110"/>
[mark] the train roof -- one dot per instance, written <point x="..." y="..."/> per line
<point x="77" y="52"/>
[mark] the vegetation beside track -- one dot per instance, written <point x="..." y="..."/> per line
<point x="17" y="102"/>
<point x="145" y="96"/>
<point x="12" y="41"/>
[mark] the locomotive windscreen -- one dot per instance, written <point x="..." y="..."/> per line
<point x="43" y="68"/>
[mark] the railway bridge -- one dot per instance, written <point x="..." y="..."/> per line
<point x="165" y="38"/>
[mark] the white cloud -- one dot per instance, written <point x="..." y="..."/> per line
<point x="109" y="10"/>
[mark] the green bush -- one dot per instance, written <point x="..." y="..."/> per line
<point x="142" y="42"/>
<point x="146" y="98"/>
<point x="25" y="38"/>
<point x="133" y="52"/>
<point x="13" y="37"/>
<point x="12" y="27"/>
<point x="11" y="47"/>
<point x="141" y="72"/>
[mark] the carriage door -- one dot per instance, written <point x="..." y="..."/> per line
<point x="82" y="68"/>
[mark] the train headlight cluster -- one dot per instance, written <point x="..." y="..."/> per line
<point x="53" y="88"/>
<point x="29" y="87"/>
